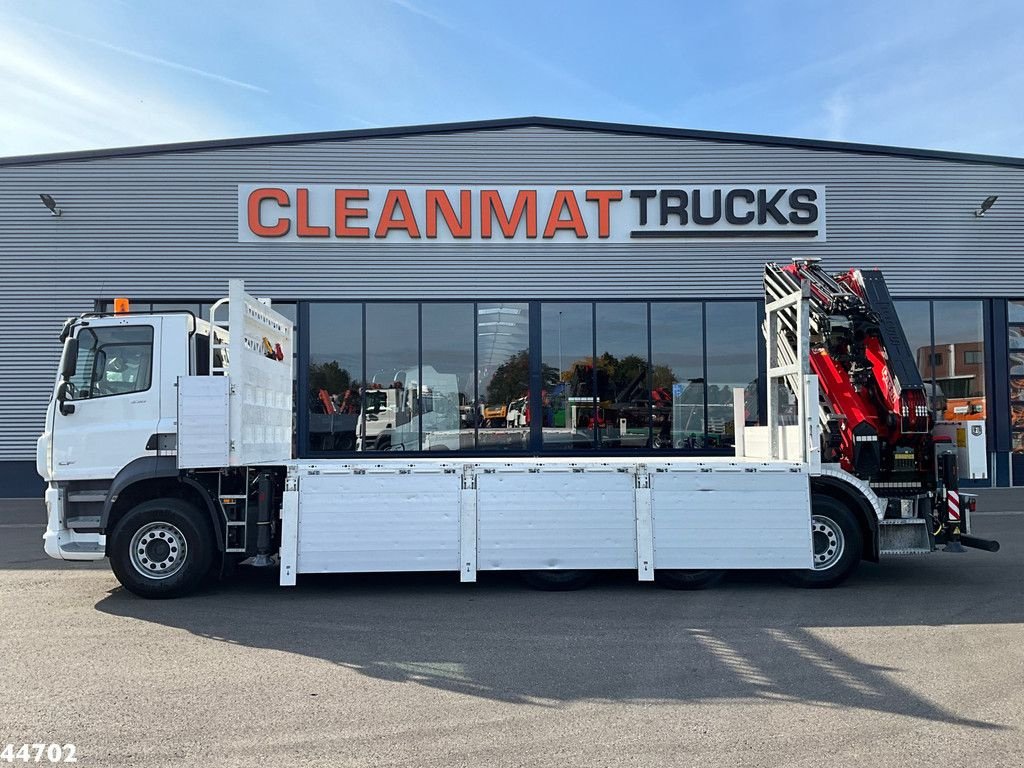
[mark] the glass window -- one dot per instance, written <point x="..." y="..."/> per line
<point x="1017" y="417"/>
<point x="392" y="369"/>
<point x="677" y="381"/>
<point x="288" y="309"/>
<point x="953" y="369"/>
<point x="503" y="372"/>
<point x="625" y="405"/>
<point x="915" y="317"/>
<point x="1017" y="388"/>
<point x="1016" y="364"/>
<point x="572" y="388"/>
<point x="959" y="332"/>
<point x="112" y="361"/>
<point x="1016" y="311"/>
<point x="448" y="377"/>
<point x="1018" y="438"/>
<point x="335" y="337"/>
<point x="732" y="339"/>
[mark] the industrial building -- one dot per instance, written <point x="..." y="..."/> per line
<point x="447" y="264"/>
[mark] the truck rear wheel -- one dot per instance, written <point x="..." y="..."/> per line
<point x="161" y="548"/>
<point x="837" y="544"/>
<point x="558" y="581"/>
<point x="677" y="579"/>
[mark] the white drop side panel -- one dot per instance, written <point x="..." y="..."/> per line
<point x="261" y="387"/>
<point x="378" y="521"/>
<point x="556" y="519"/>
<point x="203" y="435"/>
<point x="731" y="519"/>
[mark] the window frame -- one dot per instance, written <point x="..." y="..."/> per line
<point x="92" y="372"/>
<point x="533" y="304"/>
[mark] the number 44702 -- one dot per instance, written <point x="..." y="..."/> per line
<point x="38" y="753"/>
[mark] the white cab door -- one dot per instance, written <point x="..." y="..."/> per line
<point x="114" y="407"/>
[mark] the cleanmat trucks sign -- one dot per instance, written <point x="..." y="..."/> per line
<point x="577" y="214"/>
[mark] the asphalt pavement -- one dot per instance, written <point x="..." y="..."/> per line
<point x="915" y="662"/>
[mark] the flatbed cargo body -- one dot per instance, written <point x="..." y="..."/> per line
<point x="536" y="514"/>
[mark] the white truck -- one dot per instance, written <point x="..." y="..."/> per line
<point x="377" y="417"/>
<point x="168" y="449"/>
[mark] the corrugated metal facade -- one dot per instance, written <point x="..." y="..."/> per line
<point x="164" y="225"/>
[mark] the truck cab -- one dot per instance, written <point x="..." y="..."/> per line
<point x="157" y="451"/>
<point x="112" y="412"/>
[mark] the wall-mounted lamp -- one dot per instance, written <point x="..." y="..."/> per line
<point x="50" y="203"/>
<point x="986" y="204"/>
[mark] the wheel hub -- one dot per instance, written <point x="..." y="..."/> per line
<point x="158" y="550"/>
<point x="829" y="542"/>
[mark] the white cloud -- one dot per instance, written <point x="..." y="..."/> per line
<point x="542" y="64"/>
<point x="155" y="59"/>
<point x="57" y="99"/>
<point x="412" y="8"/>
<point x="837" y="116"/>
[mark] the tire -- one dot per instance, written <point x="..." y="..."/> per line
<point x="162" y="548"/>
<point x="837" y="544"/>
<point x="558" y="581"/>
<point x="676" y="579"/>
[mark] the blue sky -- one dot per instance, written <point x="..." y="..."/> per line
<point x="108" y="73"/>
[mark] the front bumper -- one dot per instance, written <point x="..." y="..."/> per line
<point x="63" y="543"/>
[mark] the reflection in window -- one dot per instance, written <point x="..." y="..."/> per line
<point x="335" y="336"/>
<point x="1016" y="337"/>
<point x="1016" y="366"/>
<point x="448" y="377"/>
<point x="392" y="371"/>
<point x="503" y="370"/>
<point x="731" y="363"/>
<point x="953" y="368"/>
<point x="572" y="388"/>
<point x="625" y="405"/>
<point x="677" y="357"/>
<point x="1017" y="389"/>
<point x="916" y="319"/>
<point x="959" y="333"/>
<point x="1016" y="311"/>
<point x="288" y="309"/>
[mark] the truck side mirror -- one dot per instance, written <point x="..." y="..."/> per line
<point x="69" y="358"/>
<point x="64" y="390"/>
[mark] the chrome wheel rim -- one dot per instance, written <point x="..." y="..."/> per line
<point x="829" y="542"/>
<point x="158" y="550"/>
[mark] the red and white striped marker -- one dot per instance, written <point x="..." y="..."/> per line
<point x="953" y="500"/>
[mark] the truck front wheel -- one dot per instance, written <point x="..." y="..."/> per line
<point x="837" y="544"/>
<point x="161" y="548"/>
